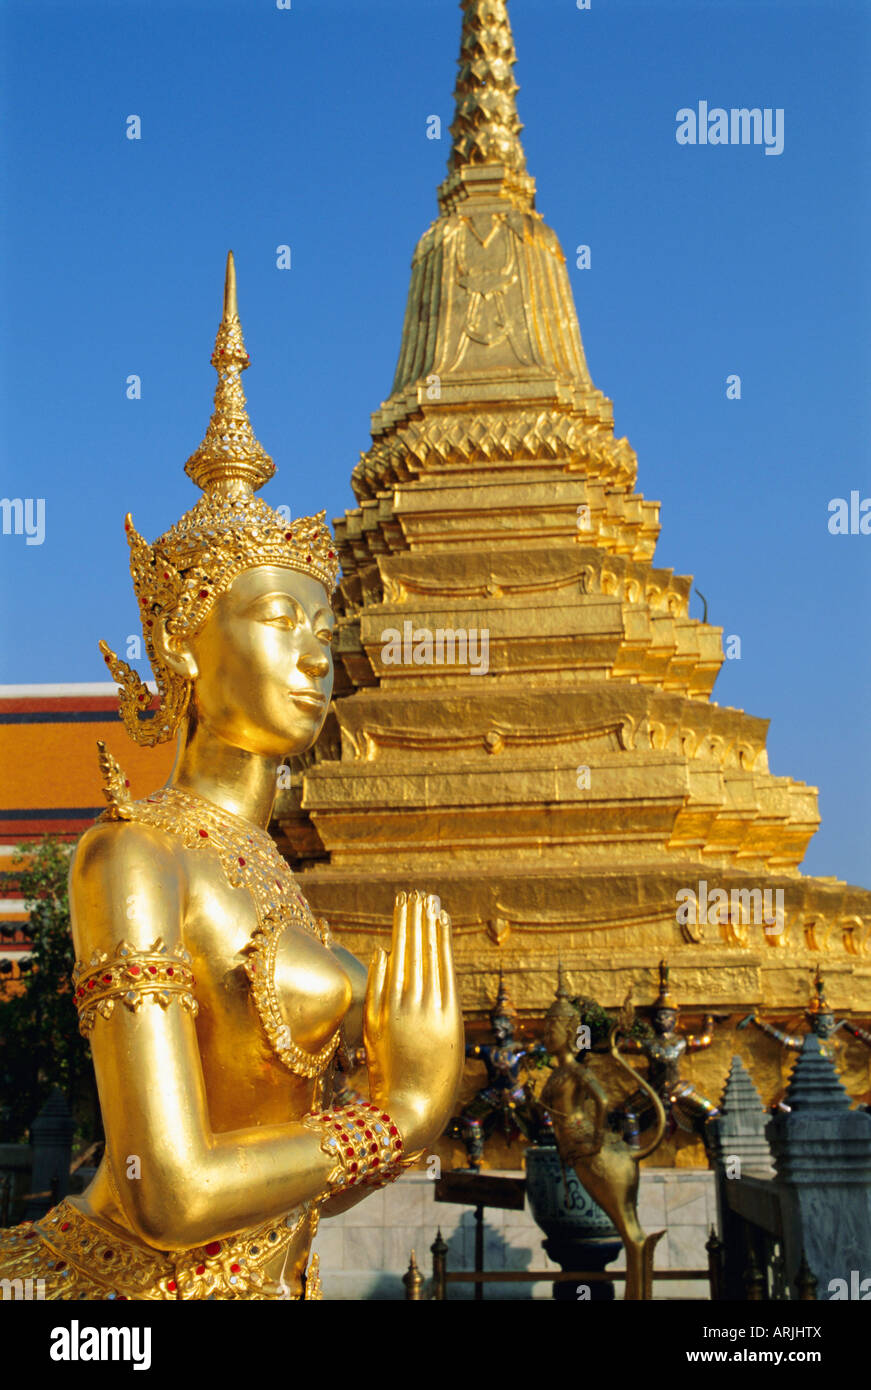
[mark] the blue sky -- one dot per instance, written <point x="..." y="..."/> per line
<point x="262" y="127"/>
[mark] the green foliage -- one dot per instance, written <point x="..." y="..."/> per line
<point x="40" y="1044"/>
<point x="600" y="1022"/>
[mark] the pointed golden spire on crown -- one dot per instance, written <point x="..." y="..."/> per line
<point x="486" y="128"/>
<point x="818" y="1004"/>
<point x="664" y="999"/>
<point x="562" y="1006"/>
<point x="229" y="452"/>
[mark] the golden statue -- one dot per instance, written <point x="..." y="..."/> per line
<point x="605" y="1164"/>
<point x="215" y="1003"/>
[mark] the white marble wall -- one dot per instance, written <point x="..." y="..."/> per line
<point x="364" y="1253"/>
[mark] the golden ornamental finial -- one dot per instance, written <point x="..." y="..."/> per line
<point x="229" y="452"/>
<point x="486" y="127"/>
<point x="231" y="307"/>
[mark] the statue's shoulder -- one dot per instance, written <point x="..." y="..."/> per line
<point x="127" y="841"/>
<point x="125" y="879"/>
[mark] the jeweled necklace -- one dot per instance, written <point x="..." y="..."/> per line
<point x="248" y="855"/>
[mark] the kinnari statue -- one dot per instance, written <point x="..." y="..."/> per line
<point x="605" y="1164"/>
<point x="216" y="1005"/>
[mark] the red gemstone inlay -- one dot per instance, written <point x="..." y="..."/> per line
<point x="375" y="1162"/>
<point x="393" y="1129"/>
<point x="373" y="1148"/>
<point x="354" y="1167"/>
<point x="213" y="1247"/>
<point x="172" y="1286"/>
<point x="170" y="971"/>
<point x="200" y="1269"/>
<point x="107" y="979"/>
<point x="134" y="969"/>
<point x="204" y="834"/>
<point x="386" y="1119"/>
<point x="288" y="535"/>
<point x="241" y="861"/>
<point x="127" y="781"/>
<point x="349" y="1153"/>
<point x="331" y="554"/>
<point x="368" y="1134"/>
<point x="91" y="984"/>
<point x="64" y="1225"/>
<point x="204" y="593"/>
<point x="234" y="1269"/>
<point x="398" y="1144"/>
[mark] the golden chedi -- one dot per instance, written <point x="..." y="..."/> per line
<point x="217" y="1005"/>
<point x="562" y="787"/>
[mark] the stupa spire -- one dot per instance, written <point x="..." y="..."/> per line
<point x="486" y="127"/>
<point x="230" y="453"/>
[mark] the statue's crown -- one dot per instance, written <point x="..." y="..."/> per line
<point x="562" y="1006"/>
<point x="228" y="531"/>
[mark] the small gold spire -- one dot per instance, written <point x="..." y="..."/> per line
<point x="230" y="453"/>
<point x="231" y="307"/>
<point x="486" y="128"/>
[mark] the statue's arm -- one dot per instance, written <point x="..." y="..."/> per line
<point x="696" y="1041"/>
<point x="194" y="1185"/>
<point x="790" y="1040"/>
<point x="861" y="1033"/>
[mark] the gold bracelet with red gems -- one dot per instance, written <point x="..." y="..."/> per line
<point x="365" y="1143"/>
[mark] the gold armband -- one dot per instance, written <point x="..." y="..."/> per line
<point x="365" y="1143"/>
<point x="131" y="976"/>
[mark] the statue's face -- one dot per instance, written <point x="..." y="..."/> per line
<point x="263" y="662"/>
<point x="825" y="1025"/>
<point x="502" y="1026"/>
<point x="664" y="1020"/>
<point x="556" y="1034"/>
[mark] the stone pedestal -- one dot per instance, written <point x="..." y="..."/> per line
<point x="579" y="1234"/>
